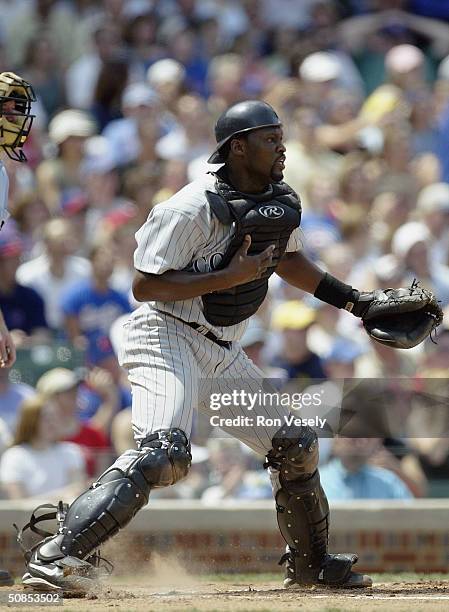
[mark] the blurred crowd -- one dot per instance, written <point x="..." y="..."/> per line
<point x="128" y="92"/>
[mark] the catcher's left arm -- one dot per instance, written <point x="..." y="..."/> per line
<point x="399" y="318"/>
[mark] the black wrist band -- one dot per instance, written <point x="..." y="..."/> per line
<point x="335" y="292"/>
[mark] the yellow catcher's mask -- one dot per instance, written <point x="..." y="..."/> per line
<point x="16" y="119"/>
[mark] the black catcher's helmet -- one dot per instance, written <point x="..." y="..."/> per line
<point x="240" y="118"/>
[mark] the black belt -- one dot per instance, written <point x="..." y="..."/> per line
<point x="196" y="326"/>
<point x="199" y="328"/>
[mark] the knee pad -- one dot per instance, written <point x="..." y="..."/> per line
<point x="111" y="502"/>
<point x="165" y="458"/>
<point x="294" y="453"/>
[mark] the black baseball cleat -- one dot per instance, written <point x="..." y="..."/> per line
<point x="47" y="569"/>
<point x="47" y="565"/>
<point x="334" y="571"/>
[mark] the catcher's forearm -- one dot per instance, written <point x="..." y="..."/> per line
<point x="177" y="285"/>
<point x="297" y="270"/>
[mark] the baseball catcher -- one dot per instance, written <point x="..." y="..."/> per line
<point x="16" y="96"/>
<point x="202" y="264"/>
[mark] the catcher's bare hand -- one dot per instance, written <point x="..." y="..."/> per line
<point x="244" y="268"/>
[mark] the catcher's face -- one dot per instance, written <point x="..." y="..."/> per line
<point x="264" y="154"/>
<point x="8" y="111"/>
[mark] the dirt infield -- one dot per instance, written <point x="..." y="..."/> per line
<point x="239" y="596"/>
<point x="182" y="592"/>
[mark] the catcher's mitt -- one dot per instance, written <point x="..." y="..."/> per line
<point x="399" y="318"/>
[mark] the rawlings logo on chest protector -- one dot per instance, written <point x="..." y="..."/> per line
<point x="271" y="212"/>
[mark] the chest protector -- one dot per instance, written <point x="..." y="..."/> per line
<point x="269" y="218"/>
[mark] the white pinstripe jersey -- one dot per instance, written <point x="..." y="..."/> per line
<point x="182" y="233"/>
<point x="4" y="184"/>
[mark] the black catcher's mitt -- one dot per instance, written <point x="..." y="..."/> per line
<point x="399" y="318"/>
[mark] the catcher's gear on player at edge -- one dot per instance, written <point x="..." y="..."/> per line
<point x="16" y="96"/>
<point x="399" y="318"/>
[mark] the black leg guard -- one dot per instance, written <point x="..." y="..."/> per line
<point x="111" y="502"/>
<point x="303" y="513"/>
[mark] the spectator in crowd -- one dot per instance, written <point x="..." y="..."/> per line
<point x="423" y="122"/>
<point x="340" y="361"/>
<point x="141" y="187"/>
<point x="350" y="476"/>
<point x="293" y="320"/>
<point x="192" y="138"/>
<point x="389" y="210"/>
<point x="381" y="362"/>
<point x="51" y="18"/>
<point x="22" y="307"/>
<point x="139" y="102"/>
<point x="229" y="476"/>
<point x="5" y="440"/>
<point x="60" y="387"/>
<point x="306" y="155"/>
<point x="371" y="37"/>
<point x="166" y="78"/>
<point x="411" y="246"/>
<point x="433" y="209"/>
<point x="41" y="69"/>
<point x="74" y="211"/>
<point x="91" y="306"/>
<point x="67" y="131"/>
<point x="30" y="214"/>
<point x="111" y="82"/>
<point x="253" y="341"/>
<point x="325" y="329"/>
<point x="118" y="228"/>
<point x="122" y="432"/>
<point x="254" y="344"/>
<point x="56" y="270"/>
<point x="82" y="75"/>
<point x="428" y="423"/>
<point x="225" y="79"/>
<point x="105" y="391"/>
<point x="141" y="38"/>
<point x="12" y="396"/>
<point x="27" y="468"/>
<point x="101" y="183"/>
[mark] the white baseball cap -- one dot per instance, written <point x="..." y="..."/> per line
<point x="138" y="94"/>
<point x="99" y="157"/>
<point x="403" y="58"/>
<point x="57" y="380"/>
<point x="407" y="236"/>
<point x="165" y="71"/>
<point x="434" y="197"/>
<point x="70" y="122"/>
<point x="320" y="67"/>
<point x="254" y="333"/>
